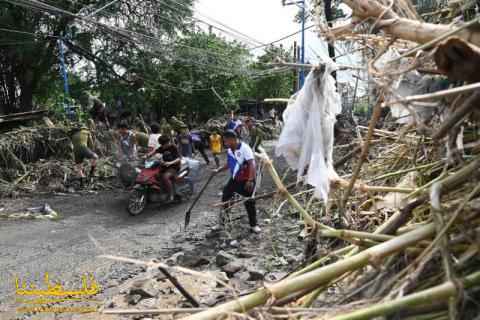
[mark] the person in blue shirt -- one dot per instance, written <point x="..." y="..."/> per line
<point x="235" y="124"/>
<point x="241" y="164"/>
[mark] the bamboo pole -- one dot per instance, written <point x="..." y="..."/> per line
<point x="373" y="121"/>
<point x="365" y="188"/>
<point x="393" y="174"/>
<point x="438" y="293"/>
<point x="283" y="191"/>
<point x="349" y="234"/>
<point x="388" y="227"/>
<point x="436" y="95"/>
<point x="169" y="311"/>
<point x="318" y="277"/>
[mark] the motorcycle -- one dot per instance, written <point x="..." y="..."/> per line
<point x="147" y="186"/>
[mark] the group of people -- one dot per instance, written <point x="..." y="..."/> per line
<point x="169" y="142"/>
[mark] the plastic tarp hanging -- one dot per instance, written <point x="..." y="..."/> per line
<point x="307" y="137"/>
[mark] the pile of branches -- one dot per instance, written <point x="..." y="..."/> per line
<point x="28" y="145"/>
<point x="41" y="159"/>
<point x="218" y="124"/>
<point x="47" y="176"/>
<point x="407" y="239"/>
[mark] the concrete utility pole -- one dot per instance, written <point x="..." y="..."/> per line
<point x="302" y="71"/>
<point x="295" y="72"/>
<point x="64" y="74"/>
<point x="329" y="18"/>
<point x="302" y="47"/>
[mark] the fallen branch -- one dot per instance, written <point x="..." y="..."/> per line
<point x="377" y="110"/>
<point x="458" y="114"/>
<point x="284" y="192"/>
<point x="347" y="157"/>
<point x="438" y="293"/>
<point x="318" y="277"/>
<point x="435" y="95"/>
<point x="180" y="288"/>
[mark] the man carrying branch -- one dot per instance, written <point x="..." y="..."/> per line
<point x="241" y="163"/>
<point x="82" y="148"/>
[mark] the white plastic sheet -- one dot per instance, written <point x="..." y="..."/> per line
<point x="307" y="137"/>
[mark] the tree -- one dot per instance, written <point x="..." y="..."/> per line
<point x="272" y="84"/>
<point x="29" y="50"/>
<point x="181" y="82"/>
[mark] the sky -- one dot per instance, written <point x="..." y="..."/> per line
<point x="264" y="21"/>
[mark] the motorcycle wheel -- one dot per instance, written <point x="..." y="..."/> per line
<point x="137" y="203"/>
<point x="189" y="193"/>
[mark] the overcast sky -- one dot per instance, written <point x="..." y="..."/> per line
<point x="264" y="21"/>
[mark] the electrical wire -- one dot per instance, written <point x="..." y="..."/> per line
<point x="243" y="35"/>
<point x="26" y="33"/>
<point x="281" y="39"/>
<point x="126" y="34"/>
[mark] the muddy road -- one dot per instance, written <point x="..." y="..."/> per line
<point x="92" y="225"/>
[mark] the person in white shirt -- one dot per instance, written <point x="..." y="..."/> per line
<point x="153" y="137"/>
<point x="241" y="163"/>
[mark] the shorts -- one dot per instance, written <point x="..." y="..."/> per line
<point x="83" y="153"/>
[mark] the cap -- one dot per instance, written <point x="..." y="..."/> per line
<point x="230" y="134"/>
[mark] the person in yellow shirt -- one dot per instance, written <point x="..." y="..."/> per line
<point x="82" y="148"/>
<point x="216" y="146"/>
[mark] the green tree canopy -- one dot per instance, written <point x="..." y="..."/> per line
<point x="31" y="29"/>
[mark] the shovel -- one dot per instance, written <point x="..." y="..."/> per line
<point x="188" y="213"/>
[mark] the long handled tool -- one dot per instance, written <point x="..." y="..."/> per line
<point x="188" y="213"/>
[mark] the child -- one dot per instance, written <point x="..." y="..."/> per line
<point x="216" y="146"/>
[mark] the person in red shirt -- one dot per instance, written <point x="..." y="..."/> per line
<point x="171" y="161"/>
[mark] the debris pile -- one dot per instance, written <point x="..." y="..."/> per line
<point x="39" y="159"/>
<point x="398" y="236"/>
<point x="219" y="124"/>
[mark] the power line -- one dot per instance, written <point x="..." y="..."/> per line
<point x="119" y="32"/>
<point x="26" y="33"/>
<point x="245" y="36"/>
<point x="102" y="8"/>
<point x="123" y="33"/>
<point x="195" y="19"/>
<point x="283" y="38"/>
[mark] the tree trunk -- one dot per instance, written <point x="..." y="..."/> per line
<point x="403" y="28"/>
<point x="26" y="91"/>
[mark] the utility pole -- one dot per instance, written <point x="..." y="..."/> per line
<point x="302" y="47"/>
<point x="302" y="70"/>
<point x="295" y="72"/>
<point x="66" y="100"/>
<point x="329" y="18"/>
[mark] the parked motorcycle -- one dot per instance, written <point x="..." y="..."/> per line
<point x="147" y="186"/>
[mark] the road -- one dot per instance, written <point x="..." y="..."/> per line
<point x="92" y="225"/>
